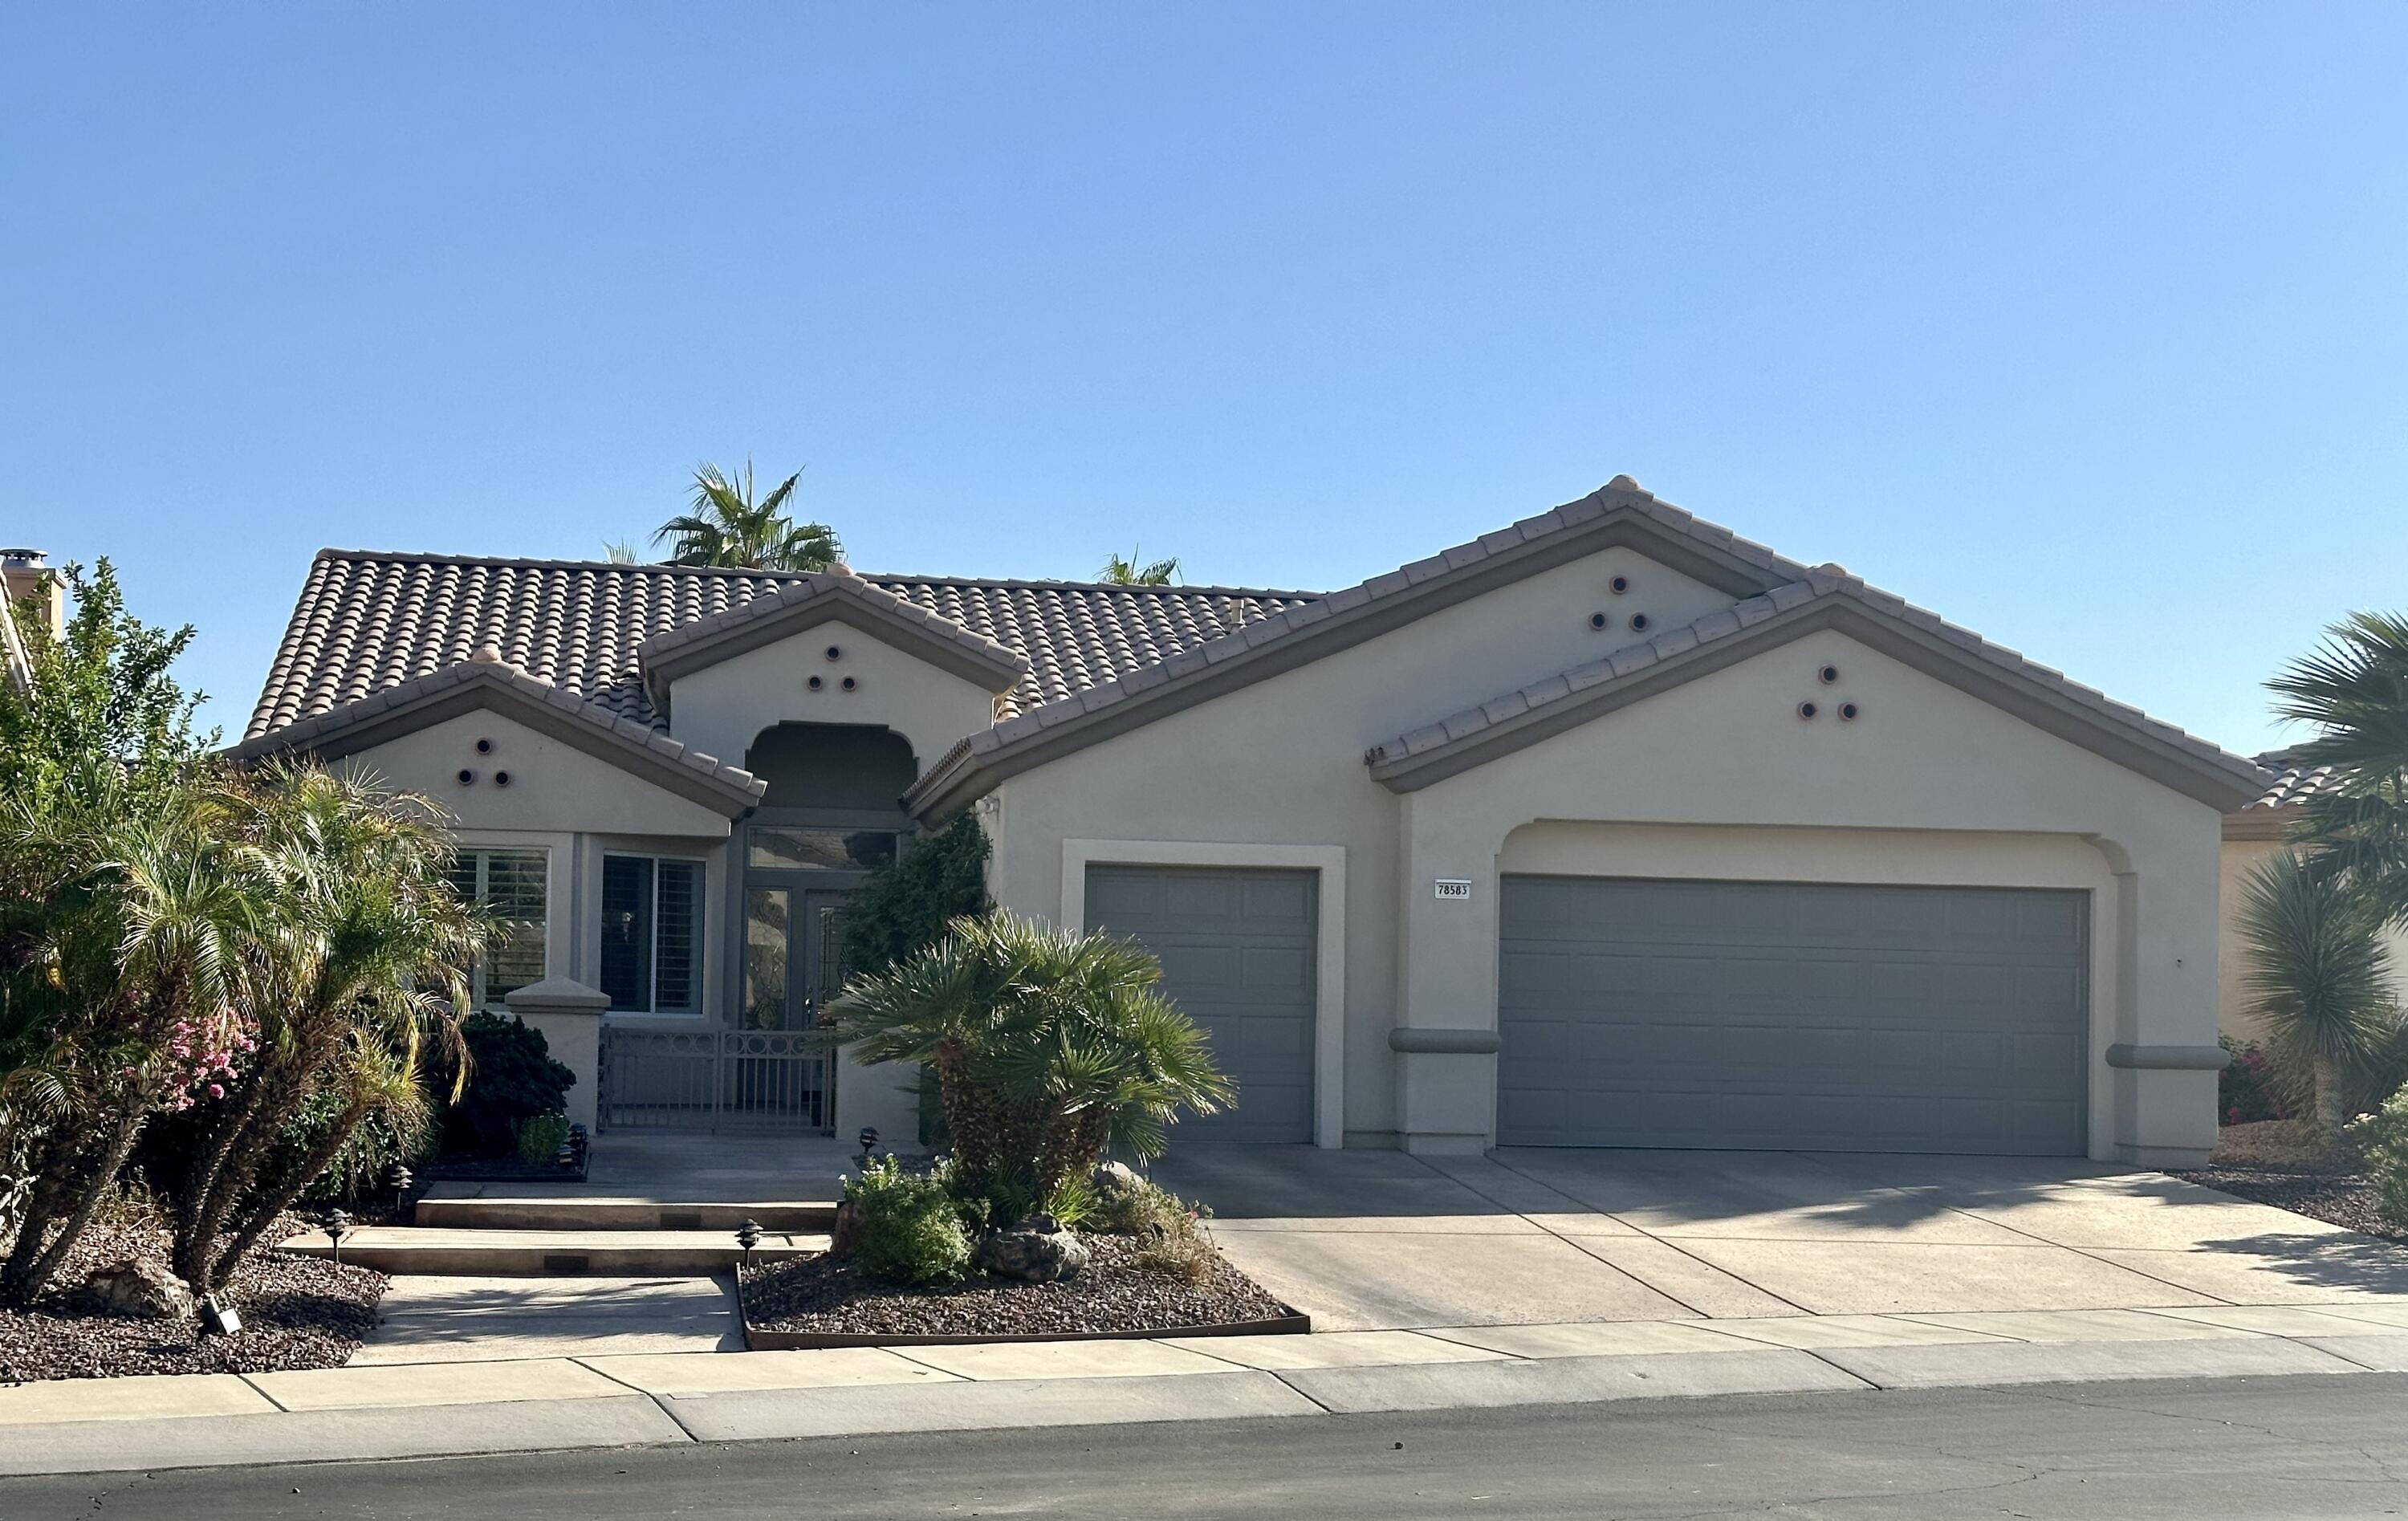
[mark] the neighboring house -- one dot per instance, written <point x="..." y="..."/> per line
<point x="25" y="576"/>
<point x="2250" y="835"/>
<point x="1605" y="828"/>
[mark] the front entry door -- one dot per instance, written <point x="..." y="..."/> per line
<point x="794" y="954"/>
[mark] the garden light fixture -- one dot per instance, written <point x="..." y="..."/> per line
<point x="868" y="1142"/>
<point x="218" y="1319"/>
<point x="748" y="1236"/>
<point x="338" y="1225"/>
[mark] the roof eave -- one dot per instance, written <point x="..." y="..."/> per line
<point x="387" y="715"/>
<point x="1608" y="518"/>
<point x="2226" y="787"/>
<point x="806" y="604"/>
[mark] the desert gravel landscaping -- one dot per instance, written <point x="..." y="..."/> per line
<point x="828" y="1296"/>
<point x="2273" y="1162"/>
<point x="297" y="1312"/>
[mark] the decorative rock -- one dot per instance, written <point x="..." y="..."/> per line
<point x="137" y="1286"/>
<point x="1113" y="1178"/>
<point x="1038" y="1251"/>
<point x="844" y="1239"/>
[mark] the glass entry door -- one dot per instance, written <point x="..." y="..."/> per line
<point x="794" y="954"/>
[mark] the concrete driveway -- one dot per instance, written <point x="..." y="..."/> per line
<point x="1372" y="1239"/>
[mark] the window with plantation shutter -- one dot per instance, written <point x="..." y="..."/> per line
<point x="511" y="885"/>
<point x="651" y="934"/>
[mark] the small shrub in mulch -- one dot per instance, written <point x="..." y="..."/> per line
<point x="297" y="1312"/>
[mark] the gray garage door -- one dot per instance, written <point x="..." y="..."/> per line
<point x="1237" y="949"/>
<point x="1778" y="1015"/>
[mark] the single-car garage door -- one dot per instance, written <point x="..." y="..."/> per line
<point x="1237" y="949"/>
<point x="1756" y="1015"/>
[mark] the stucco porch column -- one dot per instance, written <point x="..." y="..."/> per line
<point x="2161" y="1065"/>
<point x="1445" y="1035"/>
<point x="569" y="1015"/>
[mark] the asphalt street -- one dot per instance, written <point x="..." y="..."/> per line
<point x="2297" y="1446"/>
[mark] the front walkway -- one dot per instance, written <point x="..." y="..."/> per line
<point x="1365" y="1240"/>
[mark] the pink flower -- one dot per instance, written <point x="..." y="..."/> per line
<point x="217" y="1090"/>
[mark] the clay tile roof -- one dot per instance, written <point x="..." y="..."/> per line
<point x="369" y="619"/>
<point x="2294" y="783"/>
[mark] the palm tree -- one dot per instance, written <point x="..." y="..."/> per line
<point x="364" y="956"/>
<point x="2353" y="688"/>
<point x="124" y="989"/>
<point x="726" y="526"/>
<point x="2316" y="975"/>
<point x="1128" y="572"/>
<point x="1047" y="1046"/>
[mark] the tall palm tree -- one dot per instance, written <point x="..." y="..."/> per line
<point x="727" y="526"/>
<point x="2354" y="689"/>
<point x="2316" y="974"/>
<point x="1128" y="572"/>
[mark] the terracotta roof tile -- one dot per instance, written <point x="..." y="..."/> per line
<point x="369" y="620"/>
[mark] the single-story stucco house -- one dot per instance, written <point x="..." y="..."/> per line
<point x="1605" y="828"/>
<point x="2250" y="835"/>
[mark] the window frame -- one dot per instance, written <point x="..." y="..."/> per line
<point x="699" y="917"/>
<point x="480" y="994"/>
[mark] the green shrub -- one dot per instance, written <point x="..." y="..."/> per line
<point x="511" y="1079"/>
<point x="906" y="903"/>
<point x="1169" y="1232"/>
<point x="2382" y="1136"/>
<point x="540" y="1137"/>
<point x="913" y="1230"/>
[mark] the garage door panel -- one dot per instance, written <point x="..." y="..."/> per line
<point x="1237" y="948"/>
<point x="1754" y="1014"/>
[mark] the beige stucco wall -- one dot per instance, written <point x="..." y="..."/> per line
<point x="2233" y="1017"/>
<point x="1929" y="785"/>
<point x="721" y="709"/>
<point x="1282" y="762"/>
<point x="572" y="806"/>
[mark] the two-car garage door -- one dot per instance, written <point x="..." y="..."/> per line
<point x="1791" y="1015"/>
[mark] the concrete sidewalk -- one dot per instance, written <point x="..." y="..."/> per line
<point x="607" y="1401"/>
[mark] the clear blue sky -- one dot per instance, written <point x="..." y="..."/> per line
<point x="2087" y="325"/>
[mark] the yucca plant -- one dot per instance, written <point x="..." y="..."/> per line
<point x="2316" y="975"/>
<point x="1048" y="1045"/>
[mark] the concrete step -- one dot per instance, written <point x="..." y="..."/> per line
<point x="505" y="1253"/>
<point x="550" y="1212"/>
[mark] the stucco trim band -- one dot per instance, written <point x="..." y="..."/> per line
<point x="1506" y="725"/>
<point x="1329" y="949"/>
<point x="1424" y="1040"/>
<point x="2168" y="1058"/>
<point x="473" y="686"/>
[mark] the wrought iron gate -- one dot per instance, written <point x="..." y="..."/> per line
<point x="714" y="1080"/>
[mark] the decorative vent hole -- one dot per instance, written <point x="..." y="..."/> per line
<point x="1828" y="675"/>
<point x="815" y="684"/>
<point x="1619" y="584"/>
<point x="1598" y="619"/>
<point x="467" y="778"/>
<point x="1638" y="622"/>
<point x="834" y="653"/>
<point x="850" y="685"/>
<point x="485" y="747"/>
<point x="1807" y="710"/>
<point x="501" y="779"/>
<point x="1849" y="710"/>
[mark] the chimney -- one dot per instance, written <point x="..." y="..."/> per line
<point x="27" y="573"/>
